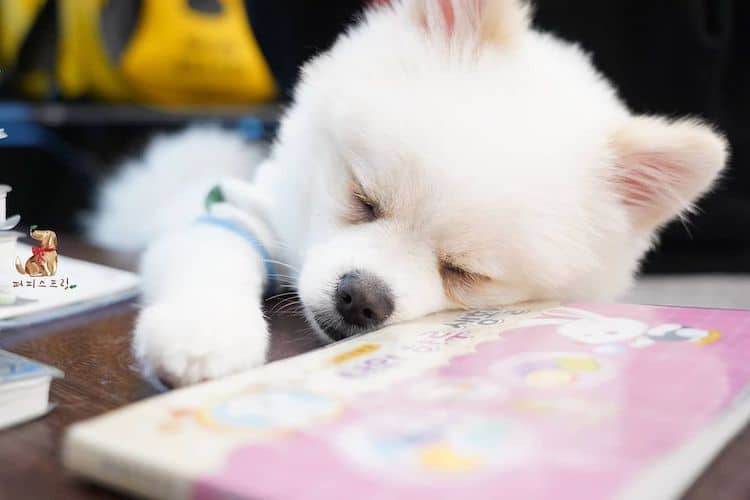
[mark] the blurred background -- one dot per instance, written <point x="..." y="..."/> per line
<point x="84" y="83"/>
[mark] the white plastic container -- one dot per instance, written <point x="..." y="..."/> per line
<point x="11" y="222"/>
<point x="4" y="190"/>
<point x="8" y="241"/>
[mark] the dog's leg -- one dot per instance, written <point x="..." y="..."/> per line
<point x="52" y="265"/>
<point x="202" y="319"/>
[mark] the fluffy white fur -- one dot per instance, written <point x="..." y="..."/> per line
<point x="167" y="185"/>
<point x="488" y="147"/>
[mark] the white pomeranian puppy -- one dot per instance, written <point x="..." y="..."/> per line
<point x="443" y="154"/>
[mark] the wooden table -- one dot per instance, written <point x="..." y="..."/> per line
<point x="94" y="352"/>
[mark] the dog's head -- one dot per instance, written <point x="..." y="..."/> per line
<point x="459" y="159"/>
<point x="46" y="237"/>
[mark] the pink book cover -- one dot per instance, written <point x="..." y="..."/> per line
<point x="568" y="402"/>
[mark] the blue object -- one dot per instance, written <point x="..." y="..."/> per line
<point x="248" y="236"/>
<point x="251" y="128"/>
<point x="15" y="112"/>
<point x="14" y="368"/>
<point x="27" y="134"/>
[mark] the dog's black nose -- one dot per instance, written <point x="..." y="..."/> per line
<point x="363" y="299"/>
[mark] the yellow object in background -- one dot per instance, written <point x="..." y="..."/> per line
<point x="83" y="65"/>
<point x="17" y="17"/>
<point x="169" y="52"/>
<point x="181" y="56"/>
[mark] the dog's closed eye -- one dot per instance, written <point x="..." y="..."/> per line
<point x="458" y="280"/>
<point x="362" y="208"/>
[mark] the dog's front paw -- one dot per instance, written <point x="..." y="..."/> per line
<point x="185" y="343"/>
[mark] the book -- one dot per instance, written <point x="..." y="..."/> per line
<point x="24" y="389"/>
<point x="78" y="286"/>
<point x="538" y="401"/>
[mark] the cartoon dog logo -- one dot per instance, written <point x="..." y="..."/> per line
<point x="591" y="328"/>
<point x="43" y="261"/>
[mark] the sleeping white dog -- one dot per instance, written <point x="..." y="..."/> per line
<point x="441" y="155"/>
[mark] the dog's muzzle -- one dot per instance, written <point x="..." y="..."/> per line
<point x="362" y="303"/>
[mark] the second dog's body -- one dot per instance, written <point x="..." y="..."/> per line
<point x="441" y="155"/>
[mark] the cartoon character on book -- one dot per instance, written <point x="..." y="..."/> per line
<point x="434" y="444"/>
<point x="553" y="370"/>
<point x="592" y="328"/>
<point x="261" y="409"/>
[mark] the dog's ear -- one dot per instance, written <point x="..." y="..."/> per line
<point x="661" y="167"/>
<point x="482" y="22"/>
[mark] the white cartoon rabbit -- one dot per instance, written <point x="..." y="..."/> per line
<point x="591" y="328"/>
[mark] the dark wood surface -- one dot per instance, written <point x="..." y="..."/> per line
<point x="94" y="352"/>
